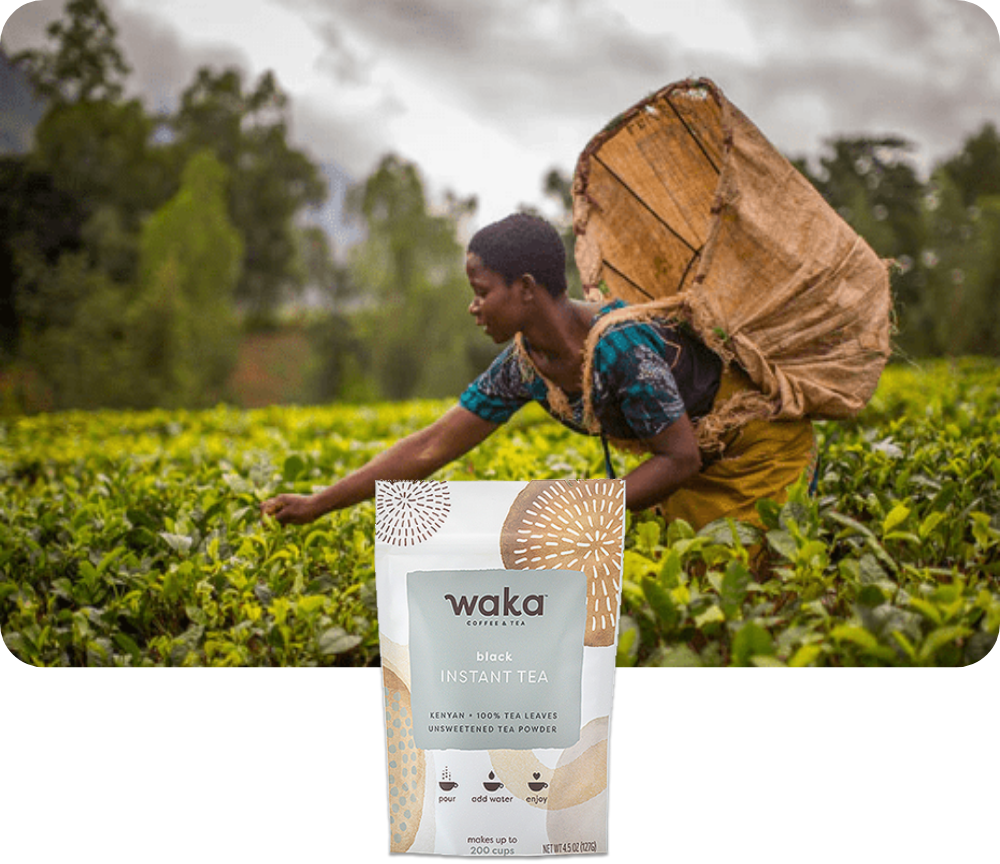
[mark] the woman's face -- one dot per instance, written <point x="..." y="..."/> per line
<point x="496" y="306"/>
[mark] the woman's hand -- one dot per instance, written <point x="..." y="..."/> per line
<point x="290" y="509"/>
<point x="415" y="457"/>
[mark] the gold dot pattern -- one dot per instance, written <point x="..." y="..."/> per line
<point x="405" y="763"/>
<point x="572" y="525"/>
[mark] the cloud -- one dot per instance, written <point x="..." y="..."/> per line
<point x="926" y="69"/>
<point x="512" y="87"/>
<point x="515" y="64"/>
<point x="163" y="63"/>
<point x="31" y="21"/>
<point x="340" y="59"/>
<point x="354" y="140"/>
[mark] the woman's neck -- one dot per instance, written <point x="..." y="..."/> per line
<point x="556" y="339"/>
<point x="558" y="327"/>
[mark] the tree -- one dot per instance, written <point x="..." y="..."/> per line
<point x="101" y="154"/>
<point x="73" y="333"/>
<point x="269" y="180"/>
<point x="86" y="187"/>
<point x="168" y="339"/>
<point x="418" y="337"/>
<point x="182" y="327"/>
<point x="85" y="65"/>
<point x="558" y="187"/>
<point x="122" y="251"/>
<point x="984" y="306"/>
<point x="91" y="177"/>
<point x="959" y="312"/>
<point x="976" y="169"/>
<point x="38" y="221"/>
<point x="964" y="208"/>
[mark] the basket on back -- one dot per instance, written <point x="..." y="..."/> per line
<point x="682" y="206"/>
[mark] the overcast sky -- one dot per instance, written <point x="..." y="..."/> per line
<point x="487" y="95"/>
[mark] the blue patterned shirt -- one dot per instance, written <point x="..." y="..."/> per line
<point x="646" y="374"/>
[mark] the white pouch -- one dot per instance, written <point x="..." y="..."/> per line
<point x="498" y="618"/>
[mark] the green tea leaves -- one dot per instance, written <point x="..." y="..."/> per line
<point x="177" y="542"/>
<point x="896" y="517"/>
<point x="136" y="538"/>
<point x="336" y="640"/>
<point x="893" y="563"/>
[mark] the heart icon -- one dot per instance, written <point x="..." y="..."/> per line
<point x="536" y="775"/>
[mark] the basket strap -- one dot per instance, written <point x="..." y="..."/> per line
<point x="609" y="468"/>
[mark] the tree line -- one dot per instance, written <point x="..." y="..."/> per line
<point x="136" y="248"/>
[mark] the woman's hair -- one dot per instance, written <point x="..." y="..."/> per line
<point x="521" y="244"/>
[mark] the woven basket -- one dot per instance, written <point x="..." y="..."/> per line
<point x="682" y="207"/>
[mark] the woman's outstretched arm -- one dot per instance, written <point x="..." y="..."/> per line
<point x="414" y="457"/>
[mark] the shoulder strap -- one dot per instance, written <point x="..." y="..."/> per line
<point x="609" y="467"/>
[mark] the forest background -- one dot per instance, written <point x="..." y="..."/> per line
<point x="174" y="259"/>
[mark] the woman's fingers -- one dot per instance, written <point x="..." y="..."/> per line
<point x="287" y="509"/>
<point x="274" y="507"/>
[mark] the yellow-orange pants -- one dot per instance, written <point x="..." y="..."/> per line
<point x="761" y="460"/>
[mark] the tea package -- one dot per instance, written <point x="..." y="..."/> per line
<point x="498" y="617"/>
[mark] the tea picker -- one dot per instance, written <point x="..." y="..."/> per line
<point x="727" y="307"/>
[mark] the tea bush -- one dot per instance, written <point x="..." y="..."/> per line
<point x="135" y="539"/>
<point x="896" y="561"/>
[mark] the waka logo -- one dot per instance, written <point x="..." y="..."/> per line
<point x="492" y="605"/>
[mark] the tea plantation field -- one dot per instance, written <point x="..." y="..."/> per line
<point x="135" y="539"/>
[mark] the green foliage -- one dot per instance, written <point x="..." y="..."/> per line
<point x="74" y="333"/>
<point x="416" y="333"/>
<point x="85" y="327"/>
<point x="101" y="166"/>
<point x="942" y="235"/>
<point x="959" y="310"/>
<point x="170" y="339"/>
<point x="897" y="562"/>
<point x="269" y="180"/>
<point x="101" y="154"/>
<point x="84" y="64"/>
<point x="38" y="222"/>
<point x="976" y="168"/>
<point x="109" y="159"/>
<point x="134" y="538"/>
<point x="183" y="325"/>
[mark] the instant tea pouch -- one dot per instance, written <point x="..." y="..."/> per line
<point x="498" y="620"/>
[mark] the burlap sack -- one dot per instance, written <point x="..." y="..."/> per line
<point x="682" y="206"/>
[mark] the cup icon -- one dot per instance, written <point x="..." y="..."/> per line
<point x="492" y="784"/>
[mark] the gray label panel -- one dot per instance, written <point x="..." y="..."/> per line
<point x="496" y="658"/>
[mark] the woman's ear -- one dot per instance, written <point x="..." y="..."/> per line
<point x="528" y="287"/>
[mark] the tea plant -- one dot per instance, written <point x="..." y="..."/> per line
<point x="895" y="562"/>
<point x="135" y="538"/>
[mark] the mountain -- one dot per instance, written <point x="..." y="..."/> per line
<point x="20" y="110"/>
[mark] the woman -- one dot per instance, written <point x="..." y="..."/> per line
<point x="640" y="382"/>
